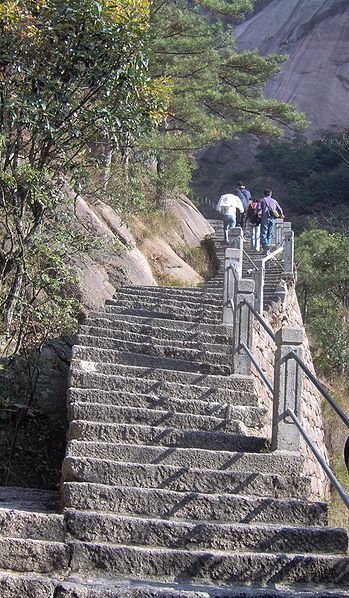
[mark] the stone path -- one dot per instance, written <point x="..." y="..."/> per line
<point x="168" y="487"/>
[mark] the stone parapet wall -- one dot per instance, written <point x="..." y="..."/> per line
<point x="311" y="417"/>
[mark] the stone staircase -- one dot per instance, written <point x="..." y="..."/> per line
<point x="168" y="487"/>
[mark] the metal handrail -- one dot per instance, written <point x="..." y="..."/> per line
<point x="258" y="367"/>
<point x="249" y="259"/>
<point x="272" y="255"/>
<point x="261" y="320"/>
<point x="320" y="388"/>
<point x="344" y="496"/>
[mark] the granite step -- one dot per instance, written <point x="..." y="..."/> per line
<point x="86" y="371"/>
<point x="163" y="290"/>
<point x="13" y="585"/>
<point x="250" y="415"/>
<point x="108" y="361"/>
<point x="182" y="479"/>
<point x="258" y="538"/>
<point x="28" y="524"/>
<point x="209" y="566"/>
<point x="155" y="322"/>
<point x="211" y="316"/>
<point x="174" y="296"/>
<point x="281" y="463"/>
<point x="128" y="588"/>
<point x="194" y="306"/>
<point x="97" y="412"/>
<point x="184" y="352"/>
<point x="193" y="506"/>
<point x="157" y="336"/>
<point x="164" y="437"/>
<point x="37" y="556"/>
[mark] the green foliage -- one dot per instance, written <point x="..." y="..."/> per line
<point x="323" y="289"/>
<point x="312" y="172"/>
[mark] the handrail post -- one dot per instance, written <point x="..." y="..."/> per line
<point x="278" y="232"/>
<point x="236" y="239"/>
<point x="287" y="389"/>
<point x="259" y="288"/>
<point x="288" y="251"/>
<point x="232" y="260"/>
<point x="243" y="325"/>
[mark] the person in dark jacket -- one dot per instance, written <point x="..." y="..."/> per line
<point x="270" y="209"/>
<point x="245" y="197"/>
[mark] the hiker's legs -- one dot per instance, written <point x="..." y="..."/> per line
<point x="229" y="222"/>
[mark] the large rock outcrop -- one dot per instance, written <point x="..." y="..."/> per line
<point x="314" y="34"/>
<point x="315" y="78"/>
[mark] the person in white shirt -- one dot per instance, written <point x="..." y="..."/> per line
<point x="227" y="206"/>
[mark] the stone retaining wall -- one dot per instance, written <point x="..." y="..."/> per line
<point x="263" y="350"/>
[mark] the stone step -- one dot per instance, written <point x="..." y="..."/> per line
<point x="182" y="479"/>
<point x="192" y="506"/>
<point x="208" y="566"/>
<point x="29" y="499"/>
<point x="26" y="555"/>
<point x="165" y="295"/>
<point x="194" y="306"/>
<point x="108" y="361"/>
<point x="164" y="436"/>
<point x="96" y="382"/>
<point x="96" y="412"/>
<point x="110" y="587"/>
<point x="172" y="291"/>
<point x="191" y="353"/>
<point x="187" y="315"/>
<point x="118" y="328"/>
<point x="280" y="463"/>
<point x="27" y="524"/>
<point x="249" y="414"/>
<point x="176" y="325"/>
<point x="137" y="531"/>
<point x="211" y="382"/>
<point x="13" y="585"/>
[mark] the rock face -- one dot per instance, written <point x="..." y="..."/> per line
<point x="314" y="34"/>
<point x="315" y="78"/>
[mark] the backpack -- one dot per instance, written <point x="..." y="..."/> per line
<point x="254" y="213"/>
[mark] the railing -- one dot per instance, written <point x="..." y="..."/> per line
<point x="289" y="367"/>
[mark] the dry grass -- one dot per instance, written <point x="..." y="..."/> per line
<point x="336" y="434"/>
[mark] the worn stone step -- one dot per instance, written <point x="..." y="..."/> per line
<point x="182" y="479"/>
<point x="109" y="587"/>
<point x="14" y="585"/>
<point x="229" y="568"/>
<point x="164" y="436"/>
<point x="211" y="316"/>
<point x="27" y="524"/>
<point x="252" y="416"/>
<point x="211" y="382"/>
<point x="29" y="499"/>
<point x="137" y="531"/>
<point x="94" y="381"/>
<point x="177" y="325"/>
<point x="109" y="361"/>
<point x="168" y="350"/>
<point x="159" y="336"/>
<point x="193" y="506"/>
<point x="194" y="306"/>
<point x="26" y="555"/>
<point x="163" y="296"/>
<point x="278" y="462"/>
<point x="98" y="412"/>
<point x="163" y="290"/>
